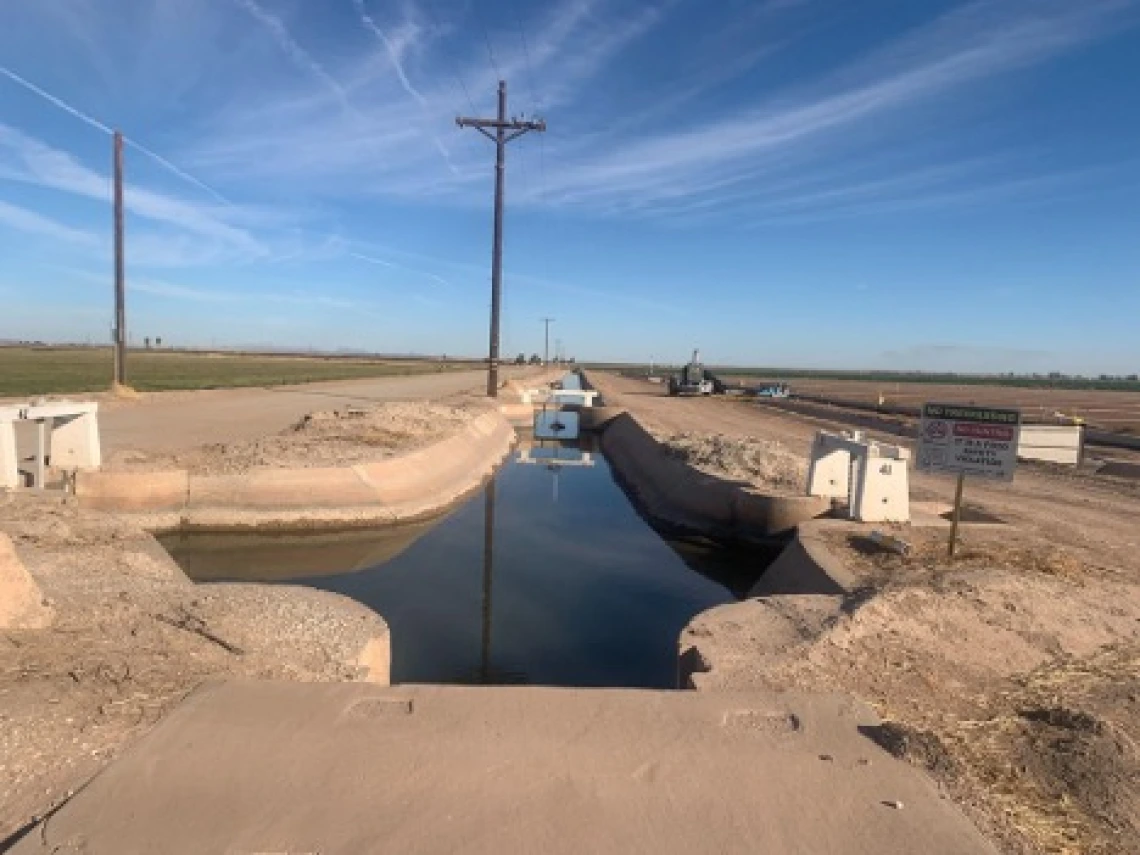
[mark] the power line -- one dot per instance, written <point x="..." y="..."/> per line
<point x="430" y="6"/>
<point x="487" y="42"/>
<point x="530" y="86"/>
<point x="526" y="57"/>
<point x="500" y="125"/>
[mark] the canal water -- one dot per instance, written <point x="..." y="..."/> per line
<point x="548" y="575"/>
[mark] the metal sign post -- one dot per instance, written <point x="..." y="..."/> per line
<point x="968" y="440"/>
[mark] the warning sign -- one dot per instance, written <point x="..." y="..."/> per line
<point x="960" y="439"/>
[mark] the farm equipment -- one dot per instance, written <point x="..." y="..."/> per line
<point x="693" y="379"/>
<point x="773" y="390"/>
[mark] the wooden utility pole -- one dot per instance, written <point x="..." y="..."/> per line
<point x="546" y="340"/>
<point x="501" y="125"/>
<point x="120" y="331"/>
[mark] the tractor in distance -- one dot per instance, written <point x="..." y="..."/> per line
<point x="693" y="379"/>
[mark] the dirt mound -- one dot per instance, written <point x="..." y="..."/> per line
<point x="332" y="438"/>
<point x="766" y="463"/>
<point x="131" y="637"/>
<point x="1012" y="674"/>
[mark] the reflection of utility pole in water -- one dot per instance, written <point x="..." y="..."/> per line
<point x="488" y="573"/>
<point x="555" y="471"/>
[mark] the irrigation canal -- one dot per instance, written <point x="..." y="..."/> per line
<point x="548" y="575"/>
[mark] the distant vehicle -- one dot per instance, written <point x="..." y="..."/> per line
<point x="693" y="379"/>
<point x="520" y="359"/>
<point x="773" y="390"/>
<point x="535" y="359"/>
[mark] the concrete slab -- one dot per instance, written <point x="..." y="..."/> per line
<point x="348" y="768"/>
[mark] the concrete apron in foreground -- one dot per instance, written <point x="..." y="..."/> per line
<point x="349" y="768"/>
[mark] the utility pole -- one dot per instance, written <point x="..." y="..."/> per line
<point x="120" y="332"/>
<point x="546" y="343"/>
<point x="501" y="125"/>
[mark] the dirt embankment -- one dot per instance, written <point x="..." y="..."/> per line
<point x="1011" y="673"/>
<point x="131" y="637"/>
<point x="339" y="437"/>
<point x="767" y="464"/>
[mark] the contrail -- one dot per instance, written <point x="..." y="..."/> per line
<point x="185" y="176"/>
<point x="294" y="51"/>
<point x="394" y="55"/>
<point x="95" y="123"/>
<point x="305" y="61"/>
<point x="368" y="21"/>
<point x="382" y="263"/>
<point x="47" y="96"/>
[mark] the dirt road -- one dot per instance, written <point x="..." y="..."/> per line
<point x="1094" y="517"/>
<point x="172" y="421"/>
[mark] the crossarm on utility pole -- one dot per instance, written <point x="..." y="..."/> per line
<point x="508" y="125"/>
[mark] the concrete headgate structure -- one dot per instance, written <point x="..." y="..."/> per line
<point x="871" y="476"/>
<point x="66" y="436"/>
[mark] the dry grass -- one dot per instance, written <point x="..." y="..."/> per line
<point x="1051" y="759"/>
<point x="928" y="557"/>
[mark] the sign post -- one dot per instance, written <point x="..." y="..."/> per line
<point x="968" y="440"/>
<point x="957" y="514"/>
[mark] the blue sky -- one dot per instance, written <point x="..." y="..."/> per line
<point x="883" y="183"/>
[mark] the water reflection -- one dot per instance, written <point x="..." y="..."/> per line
<point x="549" y="576"/>
<point x="285" y="556"/>
<point x="488" y="579"/>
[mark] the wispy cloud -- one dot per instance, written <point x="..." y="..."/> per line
<point x="297" y="54"/>
<point x="390" y="47"/>
<point x="30" y="222"/>
<point x="180" y="292"/>
<point x="159" y="288"/>
<point x="962" y="48"/>
<point x="371" y="259"/>
<point x="307" y="137"/>
<point x="31" y="161"/>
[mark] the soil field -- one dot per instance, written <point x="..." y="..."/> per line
<point x="1114" y="411"/>
<point x="1009" y="672"/>
<point x="67" y="370"/>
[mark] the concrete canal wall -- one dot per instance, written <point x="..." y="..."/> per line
<point x="673" y="493"/>
<point x="388" y="490"/>
<point x="801" y="593"/>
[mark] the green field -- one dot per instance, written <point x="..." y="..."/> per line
<point x="52" y="371"/>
